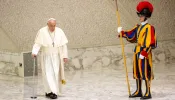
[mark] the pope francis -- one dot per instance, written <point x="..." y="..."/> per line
<point x="52" y="42"/>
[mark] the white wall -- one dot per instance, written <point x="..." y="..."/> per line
<point x="6" y="44"/>
<point x="9" y="63"/>
<point x="87" y="23"/>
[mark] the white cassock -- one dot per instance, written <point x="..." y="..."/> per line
<point x="53" y="50"/>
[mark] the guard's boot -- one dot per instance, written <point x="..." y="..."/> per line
<point x="138" y="92"/>
<point x="148" y="91"/>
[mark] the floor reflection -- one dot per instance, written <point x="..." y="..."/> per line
<point x="101" y="84"/>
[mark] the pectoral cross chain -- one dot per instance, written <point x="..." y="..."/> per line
<point x="52" y="38"/>
<point x="53" y="44"/>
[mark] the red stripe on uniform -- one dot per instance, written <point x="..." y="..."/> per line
<point x="152" y="36"/>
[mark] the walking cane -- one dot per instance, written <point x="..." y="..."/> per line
<point x="33" y="92"/>
<point x="123" y="53"/>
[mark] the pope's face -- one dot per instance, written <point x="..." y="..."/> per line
<point x="51" y="24"/>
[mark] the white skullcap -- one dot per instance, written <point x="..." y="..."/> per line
<point x="51" y="19"/>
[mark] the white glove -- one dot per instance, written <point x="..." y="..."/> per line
<point x="119" y="29"/>
<point x="141" y="56"/>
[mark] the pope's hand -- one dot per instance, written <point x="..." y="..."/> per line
<point x="34" y="55"/>
<point x="65" y="60"/>
<point x="119" y="30"/>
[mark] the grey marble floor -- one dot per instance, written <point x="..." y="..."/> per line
<point x="100" y="84"/>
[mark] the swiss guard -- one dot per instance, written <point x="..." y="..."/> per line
<point x="144" y="36"/>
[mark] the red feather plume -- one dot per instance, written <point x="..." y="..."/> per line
<point x="144" y="4"/>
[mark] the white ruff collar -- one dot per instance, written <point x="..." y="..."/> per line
<point x="145" y="22"/>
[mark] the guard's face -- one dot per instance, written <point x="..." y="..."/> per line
<point x="51" y="25"/>
<point x="142" y="18"/>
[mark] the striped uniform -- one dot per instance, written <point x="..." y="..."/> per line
<point x="145" y="38"/>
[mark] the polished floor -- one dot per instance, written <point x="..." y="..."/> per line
<point x="101" y="84"/>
